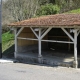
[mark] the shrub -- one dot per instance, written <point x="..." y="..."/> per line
<point x="7" y="37"/>
<point x="48" y="9"/>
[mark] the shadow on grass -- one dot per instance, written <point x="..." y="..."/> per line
<point x="9" y="53"/>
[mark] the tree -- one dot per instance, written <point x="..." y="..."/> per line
<point x="17" y="10"/>
<point x="21" y="9"/>
<point x="67" y="5"/>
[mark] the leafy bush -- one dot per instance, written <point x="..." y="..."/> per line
<point x="48" y="9"/>
<point x="7" y="36"/>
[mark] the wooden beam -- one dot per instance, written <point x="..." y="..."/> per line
<point x="17" y="34"/>
<point x="78" y="32"/>
<point x="34" y="32"/>
<point x="68" y="34"/>
<point x="57" y="41"/>
<point x="43" y="31"/>
<point x="27" y="38"/>
<point x="46" y="32"/>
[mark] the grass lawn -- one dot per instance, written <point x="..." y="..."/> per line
<point x="7" y="40"/>
<point x="77" y="11"/>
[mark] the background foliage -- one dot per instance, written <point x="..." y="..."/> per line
<point x="17" y="10"/>
<point x="48" y="9"/>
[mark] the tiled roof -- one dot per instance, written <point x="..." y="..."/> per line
<point x="50" y="20"/>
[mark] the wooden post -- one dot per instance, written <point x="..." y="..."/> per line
<point x="39" y="47"/>
<point x="39" y="42"/>
<point x="15" y="31"/>
<point x="0" y="28"/>
<point x="75" y="63"/>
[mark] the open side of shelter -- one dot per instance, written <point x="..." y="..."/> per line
<point x="37" y="32"/>
<point x="40" y="33"/>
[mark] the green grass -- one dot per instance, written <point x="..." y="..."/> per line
<point x="77" y="11"/>
<point x="7" y="40"/>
